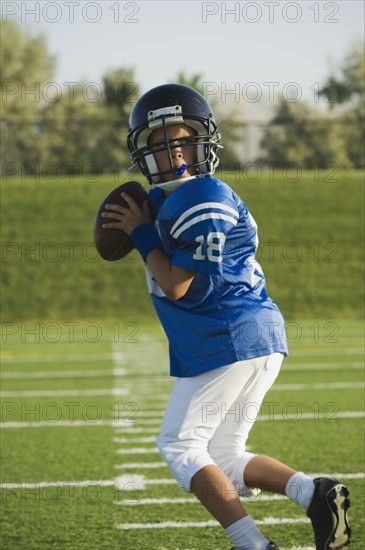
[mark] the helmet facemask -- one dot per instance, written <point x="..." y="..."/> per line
<point x="206" y="139"/>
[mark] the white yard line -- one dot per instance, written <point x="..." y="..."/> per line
<point x="21" y="375"/>
<point x="359" y="475"/>
<point x="209" y="523"/>
<point x="43" y="484"/>
<point x="161" y="464"/>
<point x="334" y="352"/>
<point x="62" y="358"/>
<point x="147" y="414"/>
<point x="64" y="393"/>
<point x="11" y="375"/>
<point x="134" y="420"/>
<point x="319" y="386"/>
<point x="187" y="500"/>
<point x="137" y="451"/>
<point x="150" y="439"/>
<point x="140" y="465"/>
<point x="125" y="426"/>
<point x="159" y="352"/>
<point x="139" y="482"/>
<point x="132" y="430"/>
<point x="126" y="389"/>
<point x="322" y="366"/>
<point x="140" y="390"/>
<point x="62" y="374"/>
<point x="62" y="424"/>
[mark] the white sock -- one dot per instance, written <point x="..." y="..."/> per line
<point x="245" y="534"/>
<point x="300" y="488"/>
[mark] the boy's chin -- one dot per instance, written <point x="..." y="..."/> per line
<point x="173" y="176"/>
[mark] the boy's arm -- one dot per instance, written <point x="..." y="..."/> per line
<point x="174" y="281"/>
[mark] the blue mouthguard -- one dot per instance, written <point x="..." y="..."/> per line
<point x="181" y="170"/>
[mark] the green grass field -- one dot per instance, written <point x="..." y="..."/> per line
<point x="81" y="409"/>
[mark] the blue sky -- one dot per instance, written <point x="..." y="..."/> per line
<point x="230" y="43"/>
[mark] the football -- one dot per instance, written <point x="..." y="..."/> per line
<point x="114" y="244"/>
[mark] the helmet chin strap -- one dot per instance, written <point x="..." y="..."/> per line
<point x="174" y="184"/>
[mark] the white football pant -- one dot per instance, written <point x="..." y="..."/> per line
<point x="209" y="416"/>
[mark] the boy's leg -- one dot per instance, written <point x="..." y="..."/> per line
<point x="324" y="499"/>
<point x="196" y="410"/>
<point x="228" y="444"/>
<point x="268" y="474"/>
<point x="218" y="495"/>
<point x="189" y="423"/>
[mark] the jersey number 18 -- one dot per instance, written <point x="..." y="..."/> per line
<point x="211" y="247"/>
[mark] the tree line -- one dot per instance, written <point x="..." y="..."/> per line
<point x="46" y="127"/>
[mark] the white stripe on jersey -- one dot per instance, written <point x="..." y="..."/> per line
<point x="197" y="219"/>
<point x="203" y="206"/>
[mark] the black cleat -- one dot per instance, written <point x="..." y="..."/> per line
<point x="328" y="514"/>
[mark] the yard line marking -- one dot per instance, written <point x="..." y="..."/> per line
<point x="118" y="357"/>
<point x="148" y="501"/>
<point x="59" y="358"/>
<point x="274" y="417"/>
<point x="142" y="393"/>
<point x="137" y="451"/>
<point x="149" y="414"/>
<point x="141" y="390"/>
<point x="154" y="407"/>
<point x="322" y="366"/>
<point x="64" y="393"/>
<point x="62" y="374"/>
<point x="136" y="430"/>
<point x="10" y="375"/>
<point x="141" y="465"/>
<point x="345" y="351"/>
<point x="262" y="417"/>
<point x="150" y="439"/>
<point x="329" y="416"/>
<point x="142" y="481"/>
<point x="209" y="523"/>
<point x="43" y="484"/>
<point x="148" y="465"/>
<point x="129" y="421"/>
<point x="128" y="429"/>
<point x="318" y="386"/>
<point x="187" y="500"/>
<point x="359" y="475"/>
<point x="123" y="482"/>
<point x="61" y="424"/>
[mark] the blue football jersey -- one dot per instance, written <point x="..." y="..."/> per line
<point x="226" y="315"/>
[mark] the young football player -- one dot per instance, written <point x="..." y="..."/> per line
<point x="226" y="336"/>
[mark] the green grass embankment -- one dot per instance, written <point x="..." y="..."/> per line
<point x="310" y="231"/>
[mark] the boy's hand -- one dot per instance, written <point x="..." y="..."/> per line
<point x="127" y="219"/>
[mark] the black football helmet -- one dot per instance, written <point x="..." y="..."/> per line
<point x="172" y="104"/>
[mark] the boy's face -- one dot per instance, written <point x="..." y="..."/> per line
<point x="180" y="153"/>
